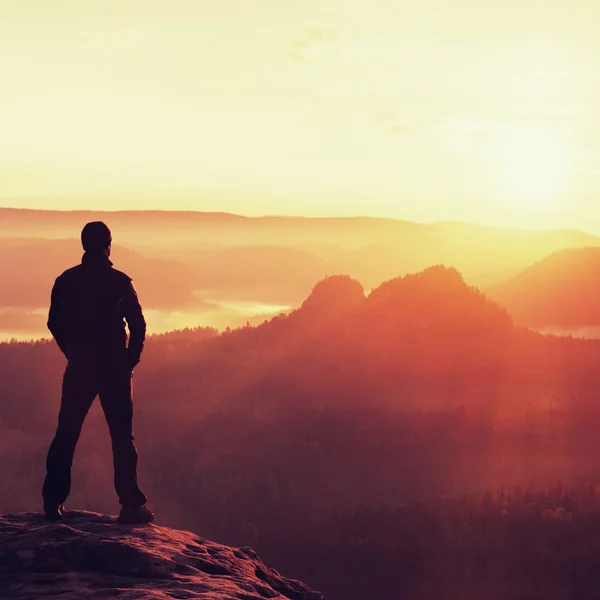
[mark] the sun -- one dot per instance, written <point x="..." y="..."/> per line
<point x="530" y="164"/>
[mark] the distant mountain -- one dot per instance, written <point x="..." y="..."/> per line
<point x="202" y="227"/>
<point x="433" y="302"/>
<point x="260" y="273"/>
<point x="419" y="341"/>
<point x="437" y="299"/>
<point x="29" y="266"/>
<point x="168" y="278"/>
<point x="429" y="323"/>
<point x="375" y="249"/>
<point x="276" y="260"/>
<point x="562" y="290"/>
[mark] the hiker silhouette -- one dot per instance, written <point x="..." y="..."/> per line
<point x="90" y="304"/>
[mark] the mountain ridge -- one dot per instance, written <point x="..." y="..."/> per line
<point x="231" y="216"/>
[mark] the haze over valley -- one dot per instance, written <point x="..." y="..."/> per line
<point x="224" y="270"/>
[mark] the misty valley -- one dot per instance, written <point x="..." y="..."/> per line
<point x="416" y="436"/>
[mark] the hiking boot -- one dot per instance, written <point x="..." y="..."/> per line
<point x="135" y="516"/>
<point x="54" y="512"/>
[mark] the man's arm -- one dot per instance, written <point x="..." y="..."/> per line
<point x="132" y="311"/>
<point x="56" y="317"/>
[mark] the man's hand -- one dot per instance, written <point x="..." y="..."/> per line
<point x="132" y="311"/>
<point x="132" y="360"/>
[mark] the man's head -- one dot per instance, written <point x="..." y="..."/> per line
<point x="96" y="238"/>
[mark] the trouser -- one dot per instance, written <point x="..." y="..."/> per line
<point x="81" y="384"/>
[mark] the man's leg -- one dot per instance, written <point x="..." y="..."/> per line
<point x="116" y="397"/>
<point x="78" y="393"/>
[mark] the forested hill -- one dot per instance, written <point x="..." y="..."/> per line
<point x="428" y="331"/>
<point x="267" y="436"/>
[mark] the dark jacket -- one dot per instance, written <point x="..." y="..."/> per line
<point x="89" y="306"/>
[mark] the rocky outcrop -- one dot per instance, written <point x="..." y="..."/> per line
<point x="88" y="555"/>
<point x="334" y="295"/>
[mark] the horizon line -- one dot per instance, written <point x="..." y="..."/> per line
<point x="296" y="217"/>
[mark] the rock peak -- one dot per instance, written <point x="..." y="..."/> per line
<point x="88" y="555"/>
<point x="335" y="293"/>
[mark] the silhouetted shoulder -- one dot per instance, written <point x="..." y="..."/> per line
<point x="77" y="274"/>
<point x="72" y="271"/>
<point x="122" y="282"/>
<point x="121" y="276"/>
<point x="69" y="274"/>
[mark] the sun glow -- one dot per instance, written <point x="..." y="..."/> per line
<point x="530" y="163"/>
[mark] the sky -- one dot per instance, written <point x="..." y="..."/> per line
<point x="431" y="110"/>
